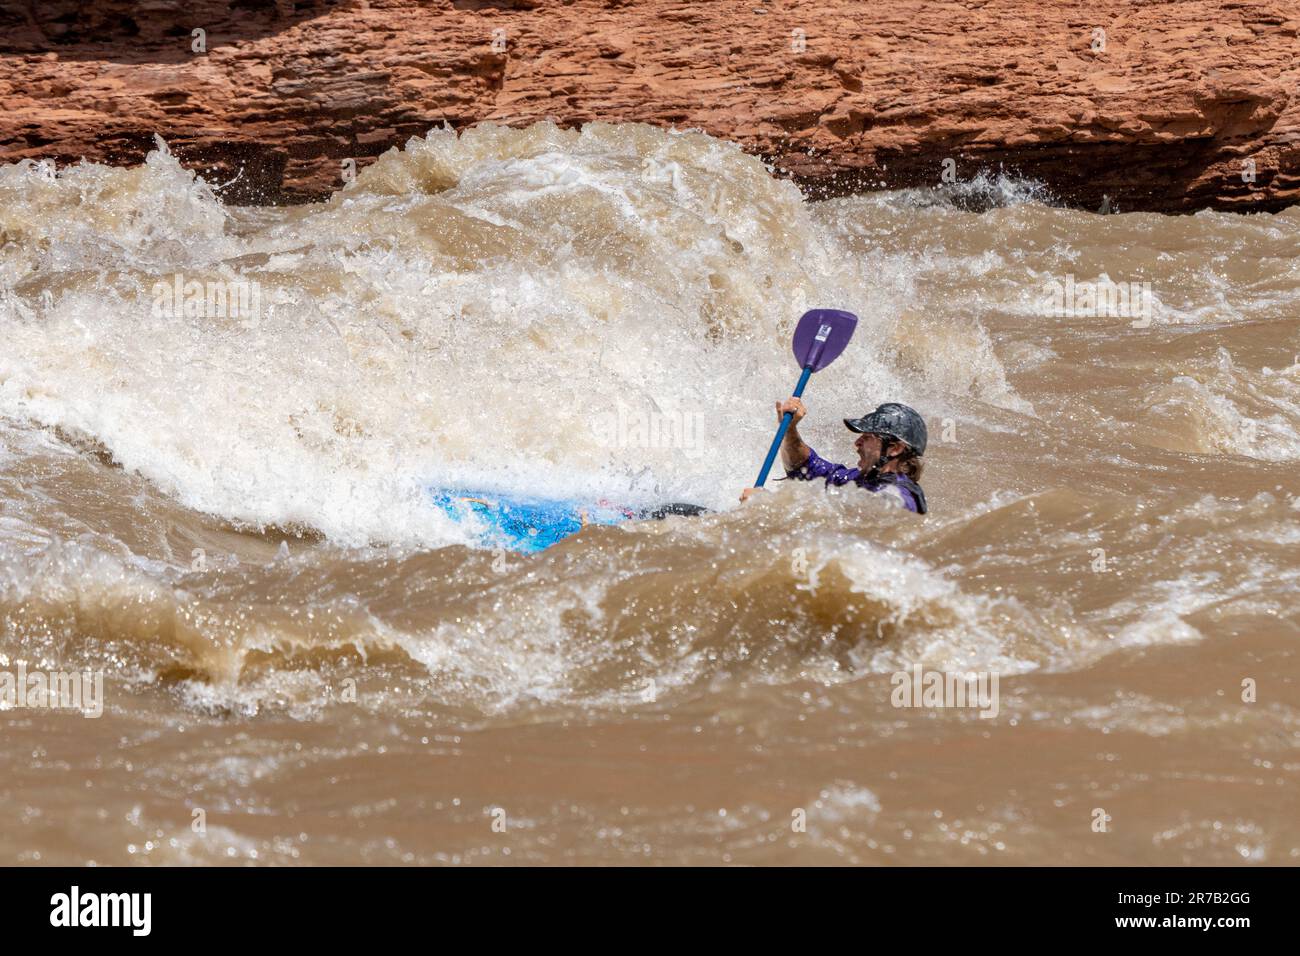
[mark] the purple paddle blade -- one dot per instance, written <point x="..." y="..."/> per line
<point x="821" y="336"/>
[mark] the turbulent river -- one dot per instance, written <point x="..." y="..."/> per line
<point x="219" y="505"/>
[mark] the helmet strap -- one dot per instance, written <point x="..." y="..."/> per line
<point x="884" y="459"/>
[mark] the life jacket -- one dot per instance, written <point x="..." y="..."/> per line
<point x="903" y="483"/>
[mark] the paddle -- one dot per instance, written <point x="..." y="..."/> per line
<point x="819" y="338"/>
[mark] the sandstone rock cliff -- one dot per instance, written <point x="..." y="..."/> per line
<point x="1171" y="105"/>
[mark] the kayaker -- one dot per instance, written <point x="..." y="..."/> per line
<point x="891" y="441"/>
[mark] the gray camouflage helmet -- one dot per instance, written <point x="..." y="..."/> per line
<point x="898" y="421"/>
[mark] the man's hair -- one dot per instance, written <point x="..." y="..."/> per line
<point x="910" y="463"/>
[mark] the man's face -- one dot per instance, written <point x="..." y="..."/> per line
<point x="868" y="447"/>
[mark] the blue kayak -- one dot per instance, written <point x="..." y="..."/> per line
<point x="531" y="524"/>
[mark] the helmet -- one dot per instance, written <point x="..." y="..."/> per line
<point x="898" y="421"/>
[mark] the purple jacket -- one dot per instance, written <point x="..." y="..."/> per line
<point x="905" y="488"/>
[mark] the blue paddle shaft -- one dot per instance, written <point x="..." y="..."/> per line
<point x="780" y="432"/>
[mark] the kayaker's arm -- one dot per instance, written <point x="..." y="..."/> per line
<point x="794" y="452"/>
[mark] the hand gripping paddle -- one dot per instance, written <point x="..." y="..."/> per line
<point x="819" y="338"/>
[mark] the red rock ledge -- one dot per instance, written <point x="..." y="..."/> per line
<point x="1178" y="105"/>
